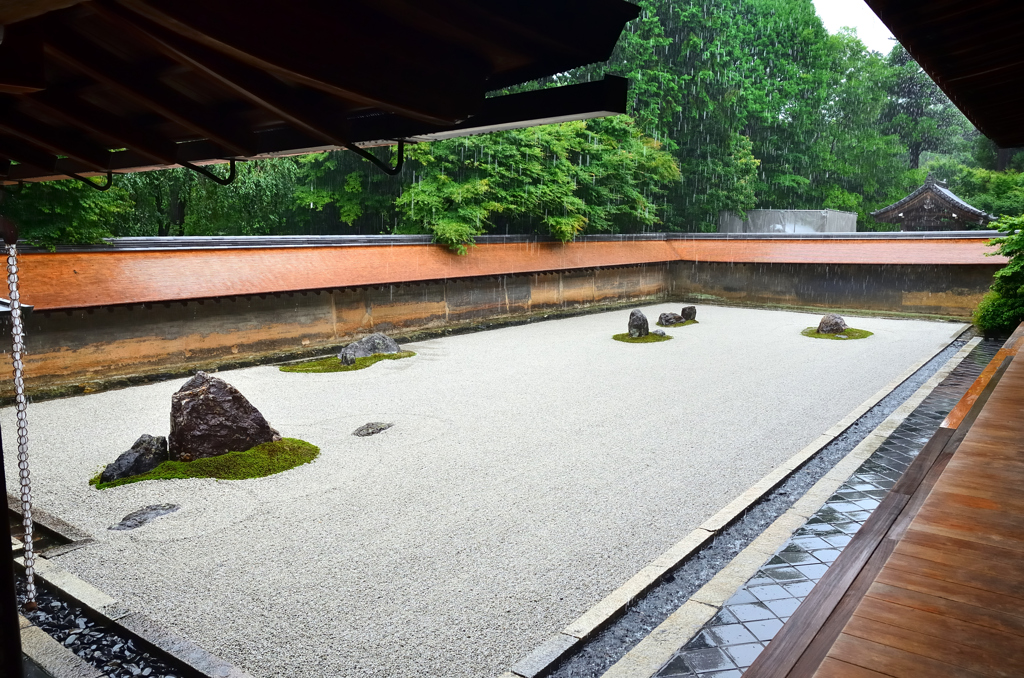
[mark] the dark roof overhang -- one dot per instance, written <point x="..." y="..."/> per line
<point x="972" y="49"/>
<point x="127" y="85"/>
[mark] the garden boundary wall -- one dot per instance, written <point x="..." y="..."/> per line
<point x="138" y="309"/>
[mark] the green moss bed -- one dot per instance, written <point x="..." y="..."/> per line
<point x="261" y="461"/>
<point x="682" y="324"/>
<point x="649" y="339"/>
<point x="334" y="364"/>
<point x="845" y="335"/>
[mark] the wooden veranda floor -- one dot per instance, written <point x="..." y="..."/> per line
<point x="933" y="584"/>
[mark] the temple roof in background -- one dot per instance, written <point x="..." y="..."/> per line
<point x="933" y="207"/>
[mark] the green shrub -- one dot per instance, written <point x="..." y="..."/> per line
<point x="997" y="315"/>
<point x="1002" y="309"/>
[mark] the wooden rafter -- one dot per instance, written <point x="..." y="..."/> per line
<point x="144" y="89"/>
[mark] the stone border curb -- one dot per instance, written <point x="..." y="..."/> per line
<point x="52" y="657"/>
<point x="99" y="604"/>
<point x="653" y="652"/>
<point x="551" y="651"/>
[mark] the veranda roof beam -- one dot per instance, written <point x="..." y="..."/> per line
<point x="73" y="52"/>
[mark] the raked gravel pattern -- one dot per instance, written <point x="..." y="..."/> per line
<point x="530" y="471"/>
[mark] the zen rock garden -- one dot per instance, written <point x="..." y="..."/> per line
<point x="210" y="419"/>
<point x="509" y="448"/>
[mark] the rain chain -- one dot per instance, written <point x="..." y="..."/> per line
<point x="17" y="351"/>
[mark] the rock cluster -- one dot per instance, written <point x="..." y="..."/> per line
<point x="146" y="454"/>
<point x="832" y="324"/>
<point x="669" y="319"/>
<point x="367" y="346"/>
<point x="638" y="324"/>
<point x="209" y="417"/>
<point x="686" y="314"/>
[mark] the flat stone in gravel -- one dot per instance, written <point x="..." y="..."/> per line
<point x="512" y="494"/>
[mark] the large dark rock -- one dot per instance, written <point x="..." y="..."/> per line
<point x="638" y="324"/>
<point x="367" y="346"/>
<point x="832" y="324"/>
<point x="669" y="319"/>
<point x="209" y="417"/>
<point x="688" y="313"/>
<point x="146" y="454"/>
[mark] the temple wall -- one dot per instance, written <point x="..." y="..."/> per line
<point x="74" y="349"/>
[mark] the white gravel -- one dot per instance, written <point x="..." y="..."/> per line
<point x="531" y="470"/>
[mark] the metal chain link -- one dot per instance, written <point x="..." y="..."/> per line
<point x="17" y="351"/>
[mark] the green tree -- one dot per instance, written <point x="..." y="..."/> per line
<point x="64" y="212"/>
<point x="567" y="178"/>
<point x="919" y="112"/>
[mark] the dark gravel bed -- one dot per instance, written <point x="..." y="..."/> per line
<point x="109" y="650"/>
<point x="645" y="614"/>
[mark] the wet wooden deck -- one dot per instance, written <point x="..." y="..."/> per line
<point x="933" y="584"/>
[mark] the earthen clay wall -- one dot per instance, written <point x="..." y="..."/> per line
<point x="107" y="318"/>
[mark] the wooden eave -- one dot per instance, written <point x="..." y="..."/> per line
<point x="127" y="85"/>
<point x="971" y="48"/>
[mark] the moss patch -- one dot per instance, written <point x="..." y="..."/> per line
<point x="845" y="335"/>
<point x="334" y="364"/>
<point x="682" y="324"/>
<point x="263" y="460"/>
<point x="649" y="339"/>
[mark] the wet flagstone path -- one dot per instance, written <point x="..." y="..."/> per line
<point x="733" y="639"/>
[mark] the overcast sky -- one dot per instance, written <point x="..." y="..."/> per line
<point x="854" y="13"/>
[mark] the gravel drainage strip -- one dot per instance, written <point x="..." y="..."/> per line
<point x="77" y="631"/>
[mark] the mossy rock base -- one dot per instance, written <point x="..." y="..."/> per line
<point x="846" y="335"/>
<point x="682" y="324"/>
<point x="261" y="461"/>
<point x="334" y="364"/>
<point x="649" y="339"/>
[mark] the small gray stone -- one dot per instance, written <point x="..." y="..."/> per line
<point x="367" y="346"/>
<point x="146" y="454"/>
<point x="688" y="313"/>
<point x="638" y="324"/>
<point x="372" y="429"/>
<point x="832" y="324"/>
<point x="660" y="333"/>
<point x="143" y="516"/>
<point x="669" y="319"/>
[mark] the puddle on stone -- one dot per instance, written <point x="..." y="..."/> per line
<point x="371" y="429"/>
<point x="143" y="516"/>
